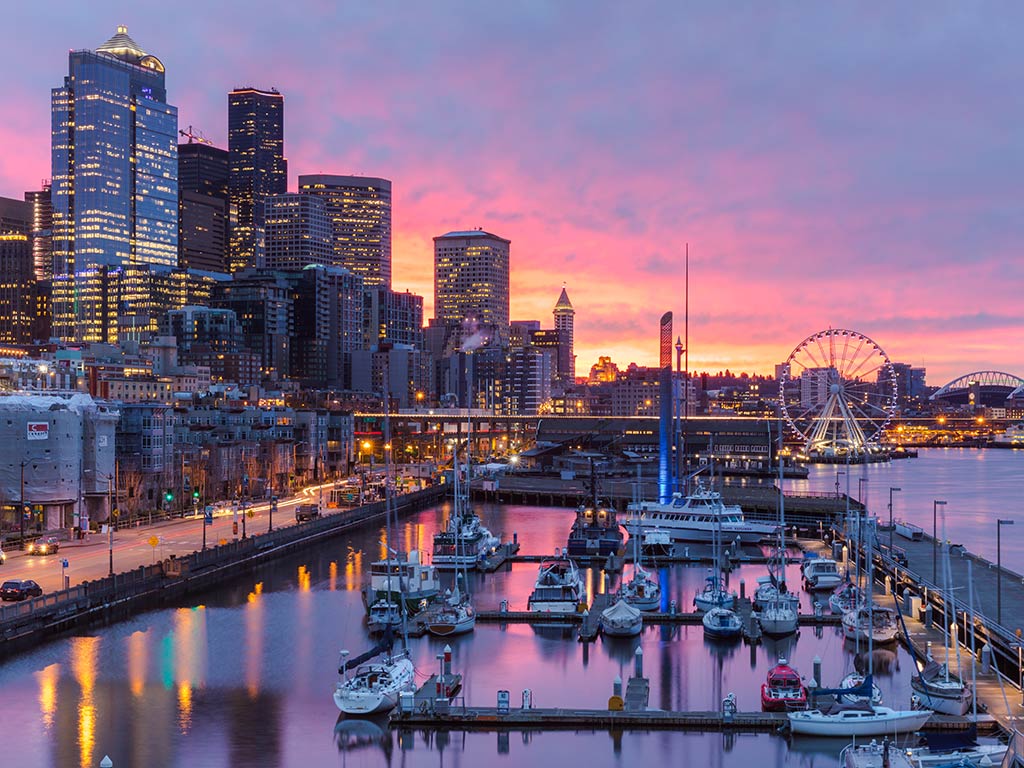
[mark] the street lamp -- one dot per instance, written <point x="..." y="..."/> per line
<point x="838" y="473"/>
<point x="999" y="570"/>
<point x="935" y="540"/>
<point x="891" y="526"/>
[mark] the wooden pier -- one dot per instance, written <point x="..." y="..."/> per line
<point x="491" y="719"/>
<point x="686" y="617"/>
<point x="591" y="624"/>
<point x="504" y="554"/>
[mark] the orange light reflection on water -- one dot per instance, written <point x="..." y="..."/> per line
<point x="137" y="659"/>
<point x="254" y="640"/>
<point x="333" y="574"/>
<point x="48" y="677"/>
<point x="84" y="658"/>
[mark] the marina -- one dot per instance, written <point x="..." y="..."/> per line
<point x="272" y="613"/>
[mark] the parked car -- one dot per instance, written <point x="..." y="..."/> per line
<point x="307" y="512"/>
<point x="48" y="545"/>
<point x="19" y="590"/>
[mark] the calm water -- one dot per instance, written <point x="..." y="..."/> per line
<point x="245" y="677"/>
<point x="979" y="487"/>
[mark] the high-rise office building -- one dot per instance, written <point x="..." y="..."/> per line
<point x="42" y="230"/>
<point x="258" y="168"/>
<point x="15" y="216"/>
<point x="360" y="211"/>
<point x="203" y="205"/>
<point x="389" y="316"/>
<point x="115" y="160"/>
<point x="471" y="287"/>
<point x="17" y="289"/>
<point x="297" y="232"/>
<point x="114" y="193"/>
<point x="328" y="307"/>
<point x="203" y="168"/>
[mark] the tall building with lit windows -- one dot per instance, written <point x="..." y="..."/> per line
<point x="360" y="211"/>
<point x="114" y="154"/>
<point x="471" y="287"/>
<point x="258" y="168"/>
<point x="297" y="232"/>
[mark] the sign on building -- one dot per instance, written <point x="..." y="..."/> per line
<point x="38" y="430"/>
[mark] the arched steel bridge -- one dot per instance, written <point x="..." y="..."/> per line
<point x="984" y="379"/>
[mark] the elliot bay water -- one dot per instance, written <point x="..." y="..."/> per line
<point x="244" y="675"/>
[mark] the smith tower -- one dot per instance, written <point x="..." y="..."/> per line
<point x="114" y="152"/>
<point x="564" y="318"/>
<point x="258" y="168"/>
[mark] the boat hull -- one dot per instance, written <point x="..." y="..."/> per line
<point x="553" y="606"/>
<point x="856" y="723"/>
<point x="752" y="533"/>
<point x="778" y="626"/>
<point x="947" y="701"/>
<point x="619" y="629"/>
<point x="449" y="628"/>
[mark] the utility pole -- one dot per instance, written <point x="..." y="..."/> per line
<point x="110" y="522"/>
<point x="21" y="506"/>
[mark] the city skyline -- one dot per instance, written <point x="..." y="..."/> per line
<point x="877" y="190"/>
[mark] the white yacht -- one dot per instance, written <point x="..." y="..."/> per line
<point x="559" y="587"/>
<point x="713" y="595"/>
<point x="845" y="599"/>
<point x="821" y="573"/>
<point x="375" y="685"/>
<point x="694" y="517"/>
<point x="1013" y="437"/>
<point x="938" y="688"/>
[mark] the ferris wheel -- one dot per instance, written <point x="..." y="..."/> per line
<point x="837" y="391"/>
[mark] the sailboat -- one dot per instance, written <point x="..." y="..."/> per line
<point x="778" y="612"/>
<point x="376" y="685"/>
<point x="936" y="686"/>
<point x="858" y="717"/>
<point x="641" y="591"/>
<point x="454" y="615"/>
<point x="720" y="622"/>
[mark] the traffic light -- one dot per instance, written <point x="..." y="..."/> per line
<point x="195" y="495"/>
<point x="168" y="495"/>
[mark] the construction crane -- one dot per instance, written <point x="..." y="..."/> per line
<point x="195" y="137"/>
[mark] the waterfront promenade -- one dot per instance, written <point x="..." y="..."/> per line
<point x="89" y="560"/>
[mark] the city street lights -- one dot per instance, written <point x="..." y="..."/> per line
<point x="999" y="569"/>
<point x="935" y="539"/>
<point x="891" y="491"/>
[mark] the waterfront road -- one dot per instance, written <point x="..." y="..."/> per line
<point x="133" y="547"/>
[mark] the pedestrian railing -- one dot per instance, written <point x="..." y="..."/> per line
<point x="125" y="585"/>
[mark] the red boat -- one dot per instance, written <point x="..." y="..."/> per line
<point x="783" y="691"/>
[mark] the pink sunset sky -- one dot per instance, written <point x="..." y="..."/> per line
<point x="852" y="165"/>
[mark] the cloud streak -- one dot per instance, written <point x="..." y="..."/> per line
<point x="828" y="165"/>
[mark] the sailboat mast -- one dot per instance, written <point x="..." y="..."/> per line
<point x="686" y="373"/>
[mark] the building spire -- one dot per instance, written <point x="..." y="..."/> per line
<point x="563" y="300"/>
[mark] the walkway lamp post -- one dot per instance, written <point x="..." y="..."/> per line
<point x="935" y="540"/>
<point x="999" y="569"/>
<point x="891" y="525"/>
<point x="838" y="473"/>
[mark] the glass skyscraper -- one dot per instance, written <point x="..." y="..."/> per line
<point x="258" y="168"/>
<point x="115" y="168"/>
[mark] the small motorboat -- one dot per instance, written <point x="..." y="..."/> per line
<point x="874" y="755"/>
<point x="384" y="615"/>
<point x="783" y="690"/>
<point x="821" y="573"/>
<point x="559" y="587"/>
<point x="621" y="620"/>
<point x="722" y="624"/>
<point x="655" y="543"/>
